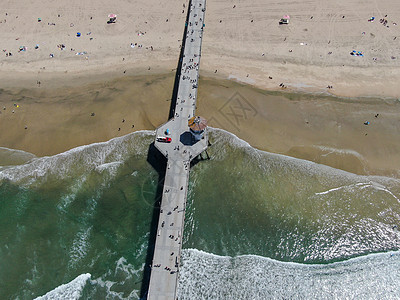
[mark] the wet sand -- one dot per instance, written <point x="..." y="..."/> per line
<point x="320" y="128"/>
<point x="63" y="118"/>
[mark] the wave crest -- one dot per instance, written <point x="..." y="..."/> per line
<point x="208" y="276"/>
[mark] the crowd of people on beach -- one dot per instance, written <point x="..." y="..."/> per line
<point x="385" y="21"/>
<point x="62" y="46"/>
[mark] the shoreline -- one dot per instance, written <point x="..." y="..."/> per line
<point x="110" y="79"/>
<point x="321" y="128"/>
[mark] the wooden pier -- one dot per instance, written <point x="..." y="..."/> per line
<point x="179" y="151"/>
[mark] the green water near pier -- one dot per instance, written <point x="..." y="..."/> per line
<point x="89" y="210"/>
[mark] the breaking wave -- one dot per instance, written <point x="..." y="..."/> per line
<point x="80" y="160"/>
<point x="69" y="291"/>
<point x="278" y="227"/>
<point x="208" y="276"/>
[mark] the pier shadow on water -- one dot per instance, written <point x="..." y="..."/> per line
<point x="159" y="163"/>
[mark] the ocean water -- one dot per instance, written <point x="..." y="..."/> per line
<point x="258" y="225"/>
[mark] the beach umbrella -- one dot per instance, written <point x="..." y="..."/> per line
<point x="112" y="16"/>
<point x="197" y="124"/>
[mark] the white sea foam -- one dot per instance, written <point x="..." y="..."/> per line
<point x="16" y="151"/>
<point x="83" y="158"/>
<point x="208" y="276"/>
<point x="339" y="151"/>
<point x="81" y="244"/>
<point x="230" y="137"/>
<point x="69" y="291"/>
<point x="80" y="247"/>
<point x="117" y="283"/>
<point x="360" y="185"/>
<point x="383" y="188"/>
<point x="330" y="190"/>
<point x="70" y="196"/>
<point x="107" y="166"/>
<point x="337" y="212"/>
<point x="240" y="79"/>
<point x="327" y="175"/>
<point x="14" y="157"/>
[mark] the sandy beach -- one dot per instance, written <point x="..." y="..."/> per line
<point x="324" y="129"/>
<point x="243" y="41"/>
<point x="124" y="72"/>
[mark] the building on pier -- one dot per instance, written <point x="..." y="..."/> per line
<point x="197" y="126"/>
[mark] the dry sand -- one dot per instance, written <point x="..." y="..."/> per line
<point x="234" y="42"/>
<point x="242" y="40"/>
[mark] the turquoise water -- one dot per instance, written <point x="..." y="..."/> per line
<point x="258" y="226"/>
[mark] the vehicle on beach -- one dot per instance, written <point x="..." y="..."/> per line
<point x="164" y="139"/>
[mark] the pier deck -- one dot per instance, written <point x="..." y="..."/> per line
<point x="179" y="152"/>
